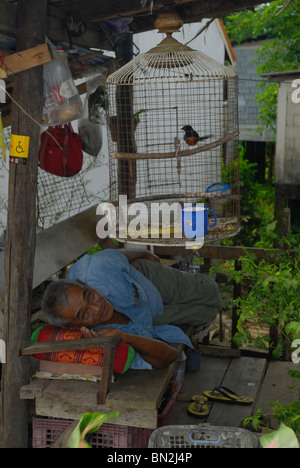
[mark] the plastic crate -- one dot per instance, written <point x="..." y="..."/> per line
<point x="45" y="431"/>
<point x="204" y="436"/>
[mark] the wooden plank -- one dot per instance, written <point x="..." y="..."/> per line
<point x="70" y="399"/>
<point x="278" y="385"/>
<point x="244" y="376"/>
<point x="136" y="395"/>
<point x="108" y="343"/>
<point x="59" y="245"/>
<point x="67" y="345"/>
<point x="27" y="59"/>
<point x="219" y="351"/>
<point x="107" y="371"/>
<point x="210" y="375"/>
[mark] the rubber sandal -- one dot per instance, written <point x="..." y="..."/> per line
<point x="198" y="410"/>
<point x="199" y="398"/>
<point x="226" y="395"/>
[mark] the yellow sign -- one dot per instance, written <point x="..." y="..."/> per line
<point x="19" y="146"/>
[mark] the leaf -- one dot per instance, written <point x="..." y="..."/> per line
<point x="90" y="422"/>
<point x="284" y="437"/>
<point x="293" y="328"/>
<point x="295" y="374"/>
<point x="271" y="227"/>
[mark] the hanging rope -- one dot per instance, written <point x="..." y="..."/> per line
<point x="28" y="115"/>
<point x="201" y="30"/>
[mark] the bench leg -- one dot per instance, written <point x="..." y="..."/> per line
<point x="107" y="371"/>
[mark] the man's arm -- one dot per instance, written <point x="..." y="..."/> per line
<point x="158" y="353"/>
<point x="132" y="254"/>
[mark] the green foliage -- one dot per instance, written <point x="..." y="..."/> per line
<point x="288" y="414"/>
<point x="90" y="422"/>
<point x="256" y="206"/>
<point x="267" y="100"/>
<point x="280" y="50"/>
<point x="272" y="298"/>
<point x="262" y="22"/>
<point x="284" y="437"/>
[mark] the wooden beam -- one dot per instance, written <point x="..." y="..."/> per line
<point x="95" y="11"/>
<point x="69" y="345"/>
<point x="27" y="59"/>
<point x="7" y="18"/>
<point x="223" y="252"/>
<point x="21" y="229"/>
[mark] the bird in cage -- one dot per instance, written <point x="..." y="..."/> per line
<point x="191" y="137"/>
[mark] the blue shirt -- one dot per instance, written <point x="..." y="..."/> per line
<point x="129" y="292"/>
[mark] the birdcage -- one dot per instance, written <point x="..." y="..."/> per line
<point x="173" y="142"/>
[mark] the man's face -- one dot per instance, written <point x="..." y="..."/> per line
<point x="86" y="307"/>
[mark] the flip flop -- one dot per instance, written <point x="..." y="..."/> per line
<point x="199" y="398"/>
<point x="226" y="395"/>
<point x="198" y="409"/>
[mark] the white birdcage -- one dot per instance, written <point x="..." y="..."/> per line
<point x="154" y="105"/>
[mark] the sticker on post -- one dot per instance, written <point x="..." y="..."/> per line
<point x="19" y="149"/>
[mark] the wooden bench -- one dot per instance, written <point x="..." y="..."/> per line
<point x="136" y="395"/>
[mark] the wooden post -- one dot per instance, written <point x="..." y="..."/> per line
<point x="21" y="228"/>
<point x="237" y="290"/>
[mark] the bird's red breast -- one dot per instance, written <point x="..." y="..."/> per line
<point x="191" y="141"/>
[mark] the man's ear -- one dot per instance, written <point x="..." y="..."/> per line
<point x="80" y="282"/>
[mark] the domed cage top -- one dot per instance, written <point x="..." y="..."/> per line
<point x="172" y="116"/>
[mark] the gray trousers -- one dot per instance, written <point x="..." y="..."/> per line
<point x="188" y="298"/>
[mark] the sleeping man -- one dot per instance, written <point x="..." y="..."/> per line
<point x="130" y="294"/>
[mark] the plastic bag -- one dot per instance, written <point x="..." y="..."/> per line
<point x="91" y="135"/>
<point x="94" y="117"/>
<point x="62" y="102"/>
<point x="95" y="99"/>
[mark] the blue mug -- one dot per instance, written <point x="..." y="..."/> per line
<point x="195" y="220"/>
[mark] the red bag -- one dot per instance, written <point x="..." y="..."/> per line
<point x="62" y="154"/>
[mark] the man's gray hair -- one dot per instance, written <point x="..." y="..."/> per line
<point x="54" y="298"/>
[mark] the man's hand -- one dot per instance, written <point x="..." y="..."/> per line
<point x="151" y="256"/>
<point x="132" y="254"/>
<point x="89" y="333"/>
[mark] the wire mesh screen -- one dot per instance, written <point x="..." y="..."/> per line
<point x="173" y="134"/>
<point x="58" y="198"/>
